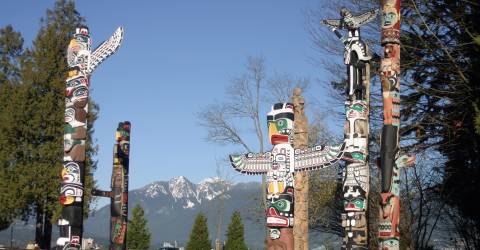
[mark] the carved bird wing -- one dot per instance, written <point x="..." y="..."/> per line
<point x="317" y="157"/>
<point x="366" y="17"/>
<point x="105" y="49"/>
<point x="332" y="23"/>
<point x="252" y="163"/>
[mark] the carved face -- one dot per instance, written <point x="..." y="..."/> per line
<point x="280" y="123"/>
<point x="389" y="17"/>
<point x="73" y="83"/>
<point x="82" y="35"/>
<point x="71" y="173"/>
<point x="280" y="209"/>
<point x="354" y="204"/>
<point x="123" y="131"/>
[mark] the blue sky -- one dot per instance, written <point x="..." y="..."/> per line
<point x="177" y="57"/>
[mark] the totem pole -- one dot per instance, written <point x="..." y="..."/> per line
<point x="119" y="194"/>
<point x="356" y="176"/>
<point x="81" y="64"/>
<point x="280" y="165"/>
<point x="390" y="161"/>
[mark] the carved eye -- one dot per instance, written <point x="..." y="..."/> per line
<point x="281" y="205"/>
<point x="358" y="203"/>
<point x="281" y="124"/>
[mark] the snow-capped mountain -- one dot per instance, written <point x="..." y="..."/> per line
<point x="170" y="209"/>
<point x="184" y="192"/>
<point x="171" y="206"/>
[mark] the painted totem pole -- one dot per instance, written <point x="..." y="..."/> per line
<point x="356" y="176"/>
<point x="390" y="161"/>
<point x="280" y="165"/>
<point x="81" y="64"/>
<point x="119" y="194"/>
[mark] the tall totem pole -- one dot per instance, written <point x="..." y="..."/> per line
<point x="356" y="176"/>
<point x="82" y="62"/>
<point x="119" y="193"/>
<point x="280" y="165"/>
<point x="390" y="160"/>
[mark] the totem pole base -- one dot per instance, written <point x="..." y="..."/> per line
<point x="285" y="242"/>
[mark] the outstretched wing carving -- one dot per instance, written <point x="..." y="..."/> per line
<point x="252" y="163"/>
<point x="318" y="157"/>
<point x="366" y="17"/>
<point x="332" y="23"/>
<point x="106" y="49"/>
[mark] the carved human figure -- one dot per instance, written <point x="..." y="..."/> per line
<point x="356" y="52"/>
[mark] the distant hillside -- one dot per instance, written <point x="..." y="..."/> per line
<point x="171" y="206"/>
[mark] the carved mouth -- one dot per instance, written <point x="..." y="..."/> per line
<point x="276" y="139"/>
<point x="351" y="207"/>
<point x="277" y="221"/>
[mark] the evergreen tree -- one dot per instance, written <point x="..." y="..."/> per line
<point x="11" y="50"/>
<point x="138" y="236"/>
<point x="235" y="233"/>
<point x="441" y="62"/>
<point x="199" y="239"/>
<point x="31" y="158"/>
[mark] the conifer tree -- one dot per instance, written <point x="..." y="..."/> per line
<point x="138" y="236"/>
<point x="11" y="50"/>
<point x="32" y="162"/>
<point x="199" y="238"/>
<point x="235" y="233"/>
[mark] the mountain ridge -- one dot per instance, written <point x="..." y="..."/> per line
<point x="177" y="201"/>
<point x="170" y="208"/>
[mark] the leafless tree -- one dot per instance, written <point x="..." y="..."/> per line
<point x="225" y="122"/>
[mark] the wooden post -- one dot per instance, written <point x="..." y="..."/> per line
<point x="300" y="140"/>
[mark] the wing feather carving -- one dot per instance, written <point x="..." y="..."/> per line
<point x="318" y="157"/>
<point x="251" y="163"/>
<point x="106" y="49"/>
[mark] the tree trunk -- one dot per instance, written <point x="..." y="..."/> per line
<point x="43" y="229"/>
<point x="300" y="228"/>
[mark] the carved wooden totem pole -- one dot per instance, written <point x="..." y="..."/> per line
<point x="390" y="161"/>
<point x="280" y="165"/>
<point x="356" y="176"/>
<point x="119" y="193"/>
<point x="81" y="63"/>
